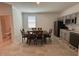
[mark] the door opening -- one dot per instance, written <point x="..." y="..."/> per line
<point x="5" y="27"/>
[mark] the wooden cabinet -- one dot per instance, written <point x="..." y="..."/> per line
<point x="70" y="21"/>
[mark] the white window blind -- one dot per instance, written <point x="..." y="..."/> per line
<point x="31" y="21"/>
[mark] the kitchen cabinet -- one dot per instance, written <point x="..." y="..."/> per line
<point x="70" y="37"/>
<point x="64" y="35"/>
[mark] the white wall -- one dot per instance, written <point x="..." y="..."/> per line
<point x="44" y="20"/>
<point x="71" y="10"/>
<point x="17" y="23"/>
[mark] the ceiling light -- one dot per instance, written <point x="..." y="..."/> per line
<point x="38" y="3"/>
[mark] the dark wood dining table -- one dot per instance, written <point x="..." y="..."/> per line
<point x="45" y="35"/>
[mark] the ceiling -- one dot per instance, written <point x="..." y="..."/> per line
<point x="32" y="7"/>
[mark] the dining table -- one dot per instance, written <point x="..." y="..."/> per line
<point x="45" y="34"/>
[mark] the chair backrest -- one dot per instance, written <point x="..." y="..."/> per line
<point x="50" y="31"/>
<point x="22" y="31"/>
<point x="40" y="34"/>
<point x="39" y="29"/>
<point x="34" y="29"/>
<point x="28" y="34"/>
<point x="31" y="34"/>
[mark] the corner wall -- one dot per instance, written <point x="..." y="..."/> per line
<point x="17" y="23"/>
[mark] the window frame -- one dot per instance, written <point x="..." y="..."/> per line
<point x="30" y="22"/>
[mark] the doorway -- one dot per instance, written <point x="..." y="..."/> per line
<point x="5" y="28"/>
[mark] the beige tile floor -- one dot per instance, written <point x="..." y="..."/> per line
<point x="56" y="48"/>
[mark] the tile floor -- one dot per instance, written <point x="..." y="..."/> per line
<point x="56" y="48"/>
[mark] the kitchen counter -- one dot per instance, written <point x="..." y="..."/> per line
<point x="73" y="28"/>
<point x="70" y="36"/>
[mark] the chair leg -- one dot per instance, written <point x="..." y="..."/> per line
<point x="42" y="42"/>
<point x="22" y="40"/>
<point x="50" y="40"/>
<point x="39" y="42"/>
<point x="35" y="42"/>
<point x="45" y="41"/>
<point x="27" y="41"/>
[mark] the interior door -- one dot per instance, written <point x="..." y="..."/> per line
<point x="5" y="28"/>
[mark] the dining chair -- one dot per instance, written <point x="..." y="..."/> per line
<point x="35" y="37"/>
<point x="39" y="29"/>
<point x="40" y="37"/>
<point x="31" y="37"/>
<point x="49" y="35"/>
<point x="23" y="34"/>
<point x="34" y="29"/>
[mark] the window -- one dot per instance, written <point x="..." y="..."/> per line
<point x="31" y="21"/>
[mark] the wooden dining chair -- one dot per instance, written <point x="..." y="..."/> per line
<point x="39" y="29"/>
<point x="34" y="29"/>
<point x="31" y="37"/>
<point x="40" y="37"/>
<point x="28" y="37"/>
<point x="49" y="35"/>
<point x="50" y="32"/>
<point x="23" y="34"/>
